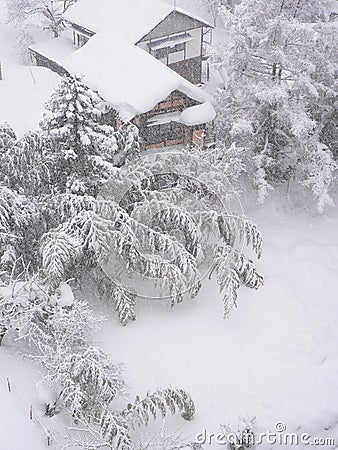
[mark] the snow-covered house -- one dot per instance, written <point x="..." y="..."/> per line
<point x="144" y="58"/>
<point x="174" y="36"/>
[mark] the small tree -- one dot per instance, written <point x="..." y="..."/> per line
<point x="48" y="13"/>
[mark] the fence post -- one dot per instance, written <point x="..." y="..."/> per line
<point x="8" y="382"/>
<point x="31" y="412"/>
<point x="49" y="438"/>
<point x="0" y="72"/>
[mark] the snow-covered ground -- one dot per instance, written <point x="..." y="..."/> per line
<point x="24" y="90"/>
<point x="275" y="358"/>
<point x="17" y="430"/>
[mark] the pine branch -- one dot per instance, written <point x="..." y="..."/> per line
<point x="231" y="228"/>
<point x="233" y="268"/>
<point x="162" y="402"/>
<point x="123" y="299"/>
<point x="115" y="429"/>
<point x="59" y="251"/>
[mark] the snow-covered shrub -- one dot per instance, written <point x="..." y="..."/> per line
<point x="278" y="95"/>
<point x="54" y="331"/>
<point x="241" y="437"/>
<point x="165" y="440"/>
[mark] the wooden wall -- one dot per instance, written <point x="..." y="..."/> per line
<point x="42" y="61"/>
<point x="190" y="69"/>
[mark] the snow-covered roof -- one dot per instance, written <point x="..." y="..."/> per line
<point x="128" y="78"/>
<point x="194" y="115"/>
<point x="54" y="49"/>
<point x="197" y="114"/>
<point x="129" y="19"/>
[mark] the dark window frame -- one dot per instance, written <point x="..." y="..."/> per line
<point x="164" y="52"/>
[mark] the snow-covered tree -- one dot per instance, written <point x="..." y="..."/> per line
<point x="85" y="149"/>
<point x="23" y="40"/>
<point x="18" y="216"/>
<point x="25" y="165"/>
<point x="213" y="7"/>
<point x="47" y="13"/>
<point x="165" y="226"/>
<point x="56" y="330"/>
<point x="7" y="137"/>
<point x="279" y="91"/>
<point x="24" y="182"/>
<point x="161" y="221"/>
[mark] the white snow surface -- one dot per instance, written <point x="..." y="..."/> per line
<point x="128" y="19"/>
<point x="23" y="94"/>
<point x="24" y="90"/>
<point x="275" y="358"/>
<point x="197" y="114"/>
<point x="128" y="78"/>
<point x="17" y="431"/>
<point x="55" y="49"/>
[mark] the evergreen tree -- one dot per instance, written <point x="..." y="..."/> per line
<point x="81" y="142"/>
<point x="279" y="91"/>
<point x="168" y="224"/>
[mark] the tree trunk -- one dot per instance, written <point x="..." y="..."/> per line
<point x="2" y="334"/>
<point x="296" y="10"/>
<point x="274" y="71"/>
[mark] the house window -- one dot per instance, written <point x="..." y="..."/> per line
<point x="164" y="52"/>
<point x="170" y="49"/>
